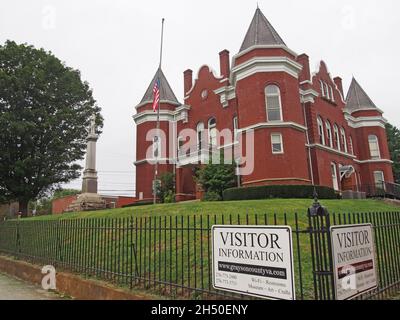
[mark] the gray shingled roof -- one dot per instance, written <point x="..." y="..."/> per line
<point x="166" y="93"/>
<point x="261" y="32"/>
<point x="357" y="98"/>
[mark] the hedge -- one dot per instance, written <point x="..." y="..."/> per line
<point x="281" y="191"/>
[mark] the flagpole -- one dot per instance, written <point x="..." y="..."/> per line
<point x="158" y="118"/>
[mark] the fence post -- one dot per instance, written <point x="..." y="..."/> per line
<point x="18" y="242"/>
<point x="321" y="250"/>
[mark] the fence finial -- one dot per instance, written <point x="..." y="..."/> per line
<point x="316" y="209"/>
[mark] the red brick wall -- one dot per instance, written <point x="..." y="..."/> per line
<point x="123" y="201"/>
<point x="291" y="167"/>
<point x="58" y="206"/>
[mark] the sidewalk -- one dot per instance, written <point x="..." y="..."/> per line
<point x="14" y="289"/>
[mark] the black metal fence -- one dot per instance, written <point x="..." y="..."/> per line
<point x="378" y="190"/>
<point x="171" y="255"/>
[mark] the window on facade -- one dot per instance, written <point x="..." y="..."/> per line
<point x="332" y="96"/>
<point x="351" y="148"/>
<point x="379" y="180"/>
<point x="212" y="132"/>
<point x="344" y="141"/>
<point x="200" y="134"/>
<point x="337" y="139"/>
<point x="156" y="147"/>
<point x="322" y="88"/>
<point x="335" y="182"/>
<point x="235" y="129"/>
<point x="276" y="142"/>
<point x="180" y="145"/>
<point x="327" y="91"/>
<point x="329" y="134"/>
<point x="274" y="107"/>
<point x="321" y="131"/>
<point x="374" y="147"/>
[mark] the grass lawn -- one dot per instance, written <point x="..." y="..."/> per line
<point x="278" y="206"/>
<point x="170" y="247"/>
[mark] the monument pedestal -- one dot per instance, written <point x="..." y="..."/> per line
<point x="87" y="202"/>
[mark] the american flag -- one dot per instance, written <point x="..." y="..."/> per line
<point x="156" y="94"/>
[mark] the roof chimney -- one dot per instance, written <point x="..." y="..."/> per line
<point x="224" y="63"/>
<point x="339" y="85"/>
<point x="305" y="74"/>
<point x="187" y="80"/>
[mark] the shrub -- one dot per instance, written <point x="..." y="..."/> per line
<point x="211" y="196"/>
<point x="278" y="191"/>
<point x="169" y="197"/>
<point x="216" y="177"/>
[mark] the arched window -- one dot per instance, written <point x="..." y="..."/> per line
<point x="374" y="147"/>
<point x="235" y="129"/>
<point x="274" y="106"/>
<point x="200" y="134"/>
<point x="337" y="139"/>
<point x="329" y="133"/>
<point x="156" y="147"/>
<point x="212" y="132"/>
<point x="344" y="141"/>
<point x="321" y="131"/>
<point x="351" y="148"/>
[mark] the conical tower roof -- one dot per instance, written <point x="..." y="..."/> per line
<point x="261" y="32"/>
<point x="166" y="93"/>
<point x="357" y="98"/>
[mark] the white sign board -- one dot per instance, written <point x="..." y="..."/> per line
<point x="354" y="263"/>
<point x="254" y="260"/>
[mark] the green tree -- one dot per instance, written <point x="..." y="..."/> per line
<point x="60" y="193"/>
<point x="393" y="136"/>
<point x="215" y="178"/>
<point x="45" y="111"/>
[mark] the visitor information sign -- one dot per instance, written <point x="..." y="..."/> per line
<point x="254" y="260"/>
<point x="354" y="264"/>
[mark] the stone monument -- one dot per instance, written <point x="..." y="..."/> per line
<point x="89" y="199"/>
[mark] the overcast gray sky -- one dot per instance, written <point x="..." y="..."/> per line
<point x="115" y="44"/>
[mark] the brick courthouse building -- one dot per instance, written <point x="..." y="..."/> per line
<point x="305" y="130"/>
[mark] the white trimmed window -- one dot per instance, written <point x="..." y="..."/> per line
<point x="329" y="133"/>
<point x="212" y="132"/>
<point x="335" y="182"/>
<point x="344" y="140"/>
<point x="379" y="179"/>
<point x="374" y="147"/>
<point x="200" y="134"/>
<point x="337" y="138"/>
<point x="327" y="91"/>
<point x="332" y="96"/>
<point x="156" y="147"/>
<point x="235" y="129"/>
<point x="322" y="88"/>
<point x="180" y="145"/>
<point x="276" y="143"/>
<point x="351" y="148"/>
<point x="273" y="102"/>
<point x="321" y="131"/>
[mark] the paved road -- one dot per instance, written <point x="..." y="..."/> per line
<point x="15" y="289"/>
